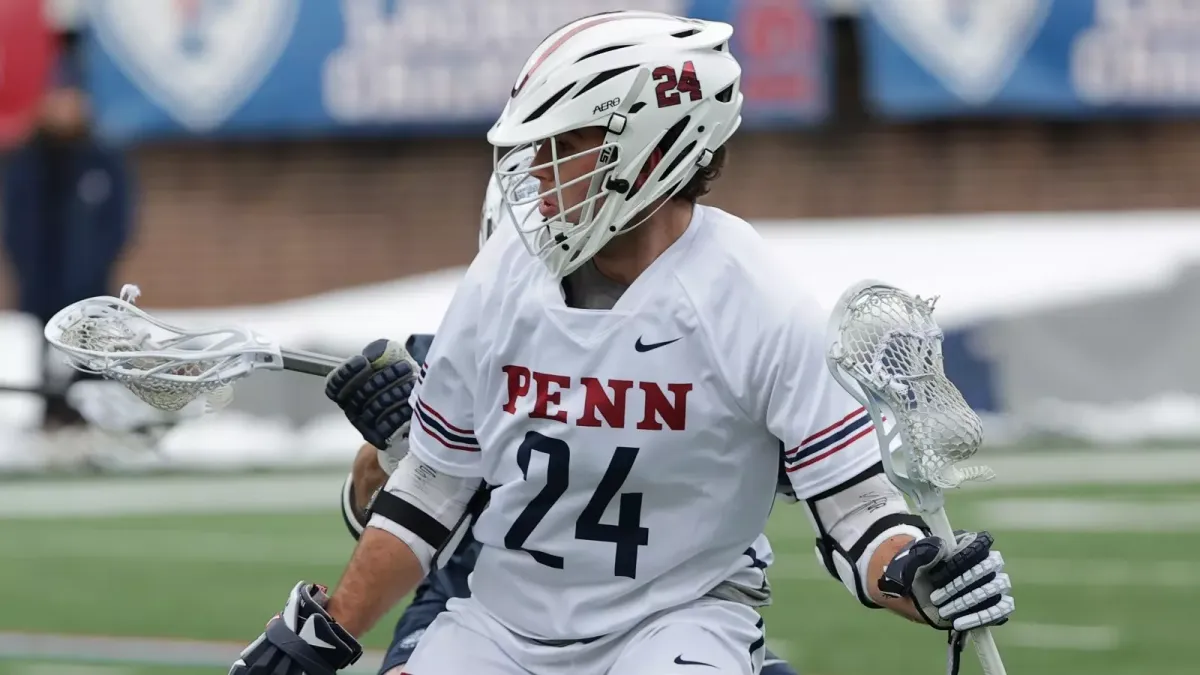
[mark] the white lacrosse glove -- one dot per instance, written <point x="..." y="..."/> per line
<point x="953" y="589"/>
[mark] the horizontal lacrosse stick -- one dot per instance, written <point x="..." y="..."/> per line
<point x="167" y="366"/>
<point x="886" y="351"/>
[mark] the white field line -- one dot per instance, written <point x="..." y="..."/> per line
<point x="1088" y="515"/>
<point x="1175" y="575"/>
<point x="192" y="546"/>
<point x="302" y="494"/>
<point x="182" y="546"/>
<point x="167" y="652"/>
<point x="274" y="493"/>
<point x="168" y="496"/>
<point x="1057" y="636"/>
<point x="69" y="669"/>
<point x="138" y="651"/>
<point x="1091" y="467"/>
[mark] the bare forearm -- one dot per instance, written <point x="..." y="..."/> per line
<point x="382" y="570"/>
<point x="367" y="477"/>
<point x="883" y="555"/>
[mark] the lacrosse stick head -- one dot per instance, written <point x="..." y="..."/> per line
<point x="165" y="366"/>
<point x="886" y="350"/>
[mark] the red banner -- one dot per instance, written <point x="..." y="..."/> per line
<point x="27" y="49"/>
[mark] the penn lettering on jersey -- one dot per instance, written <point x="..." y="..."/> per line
<point x="612" y="403"/>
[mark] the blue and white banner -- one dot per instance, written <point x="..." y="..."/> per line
<point x="161" y="68"/>
<point x="1061" y="58"/>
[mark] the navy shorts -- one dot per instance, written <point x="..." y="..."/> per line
<point x="451" y="582"/>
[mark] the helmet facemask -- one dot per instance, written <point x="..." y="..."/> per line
<point x="561" y="237"/>
<point x="574" y="234"/>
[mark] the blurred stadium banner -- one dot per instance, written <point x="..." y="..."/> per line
<point x="1060" y="58"/>
<point x="326" y="67"/>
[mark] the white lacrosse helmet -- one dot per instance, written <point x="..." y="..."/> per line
<point x="493" y="201"/>
<point x="653" y="81"/>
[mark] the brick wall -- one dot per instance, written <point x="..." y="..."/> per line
<point x="246" y="223"/>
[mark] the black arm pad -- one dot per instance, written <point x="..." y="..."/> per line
<point x="411" y="518"/>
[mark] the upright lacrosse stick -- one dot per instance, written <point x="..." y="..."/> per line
<point x="167" y="366"/>
<point x="886" y="351"/>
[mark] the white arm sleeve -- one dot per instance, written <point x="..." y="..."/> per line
<point x="827" y="436"/>
<point x="852" y="520"/>
<point x="829" y="451"/>
<point x="443" y="401"/>
<point x="422" y="506"/>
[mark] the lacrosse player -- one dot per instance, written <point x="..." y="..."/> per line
<point x="630" y="449"/>
<point x="372" y="466"/>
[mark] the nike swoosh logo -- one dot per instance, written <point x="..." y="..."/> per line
<point x="642" y="347"/>
<point x="680" y="661"/>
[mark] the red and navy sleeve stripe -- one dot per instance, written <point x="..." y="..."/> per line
<point x="435" y="424"/>
<point x="829" y="440"/>
<point x="421" y="373"/>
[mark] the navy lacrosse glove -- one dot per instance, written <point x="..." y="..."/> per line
<point x="953" y="589"/>
<point x="372" y="389"/>
<point x="302" y="640"/>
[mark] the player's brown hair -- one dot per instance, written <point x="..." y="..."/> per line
<point x="700" y="183"/>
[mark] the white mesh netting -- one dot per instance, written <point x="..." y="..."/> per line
<point x="889" y="342"/>
<point x="98" y="337"/>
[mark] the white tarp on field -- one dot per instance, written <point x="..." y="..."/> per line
<point x="984" y="267"/>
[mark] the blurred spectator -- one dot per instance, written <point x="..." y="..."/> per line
<point x="68" y="211"/>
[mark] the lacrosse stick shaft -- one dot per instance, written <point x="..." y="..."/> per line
<point x="18" y="389"/>
<point x="309" y="363"/>
<point x="981" y="638"/>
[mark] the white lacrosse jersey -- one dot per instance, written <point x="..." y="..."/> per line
<point x="634" y="452"/>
